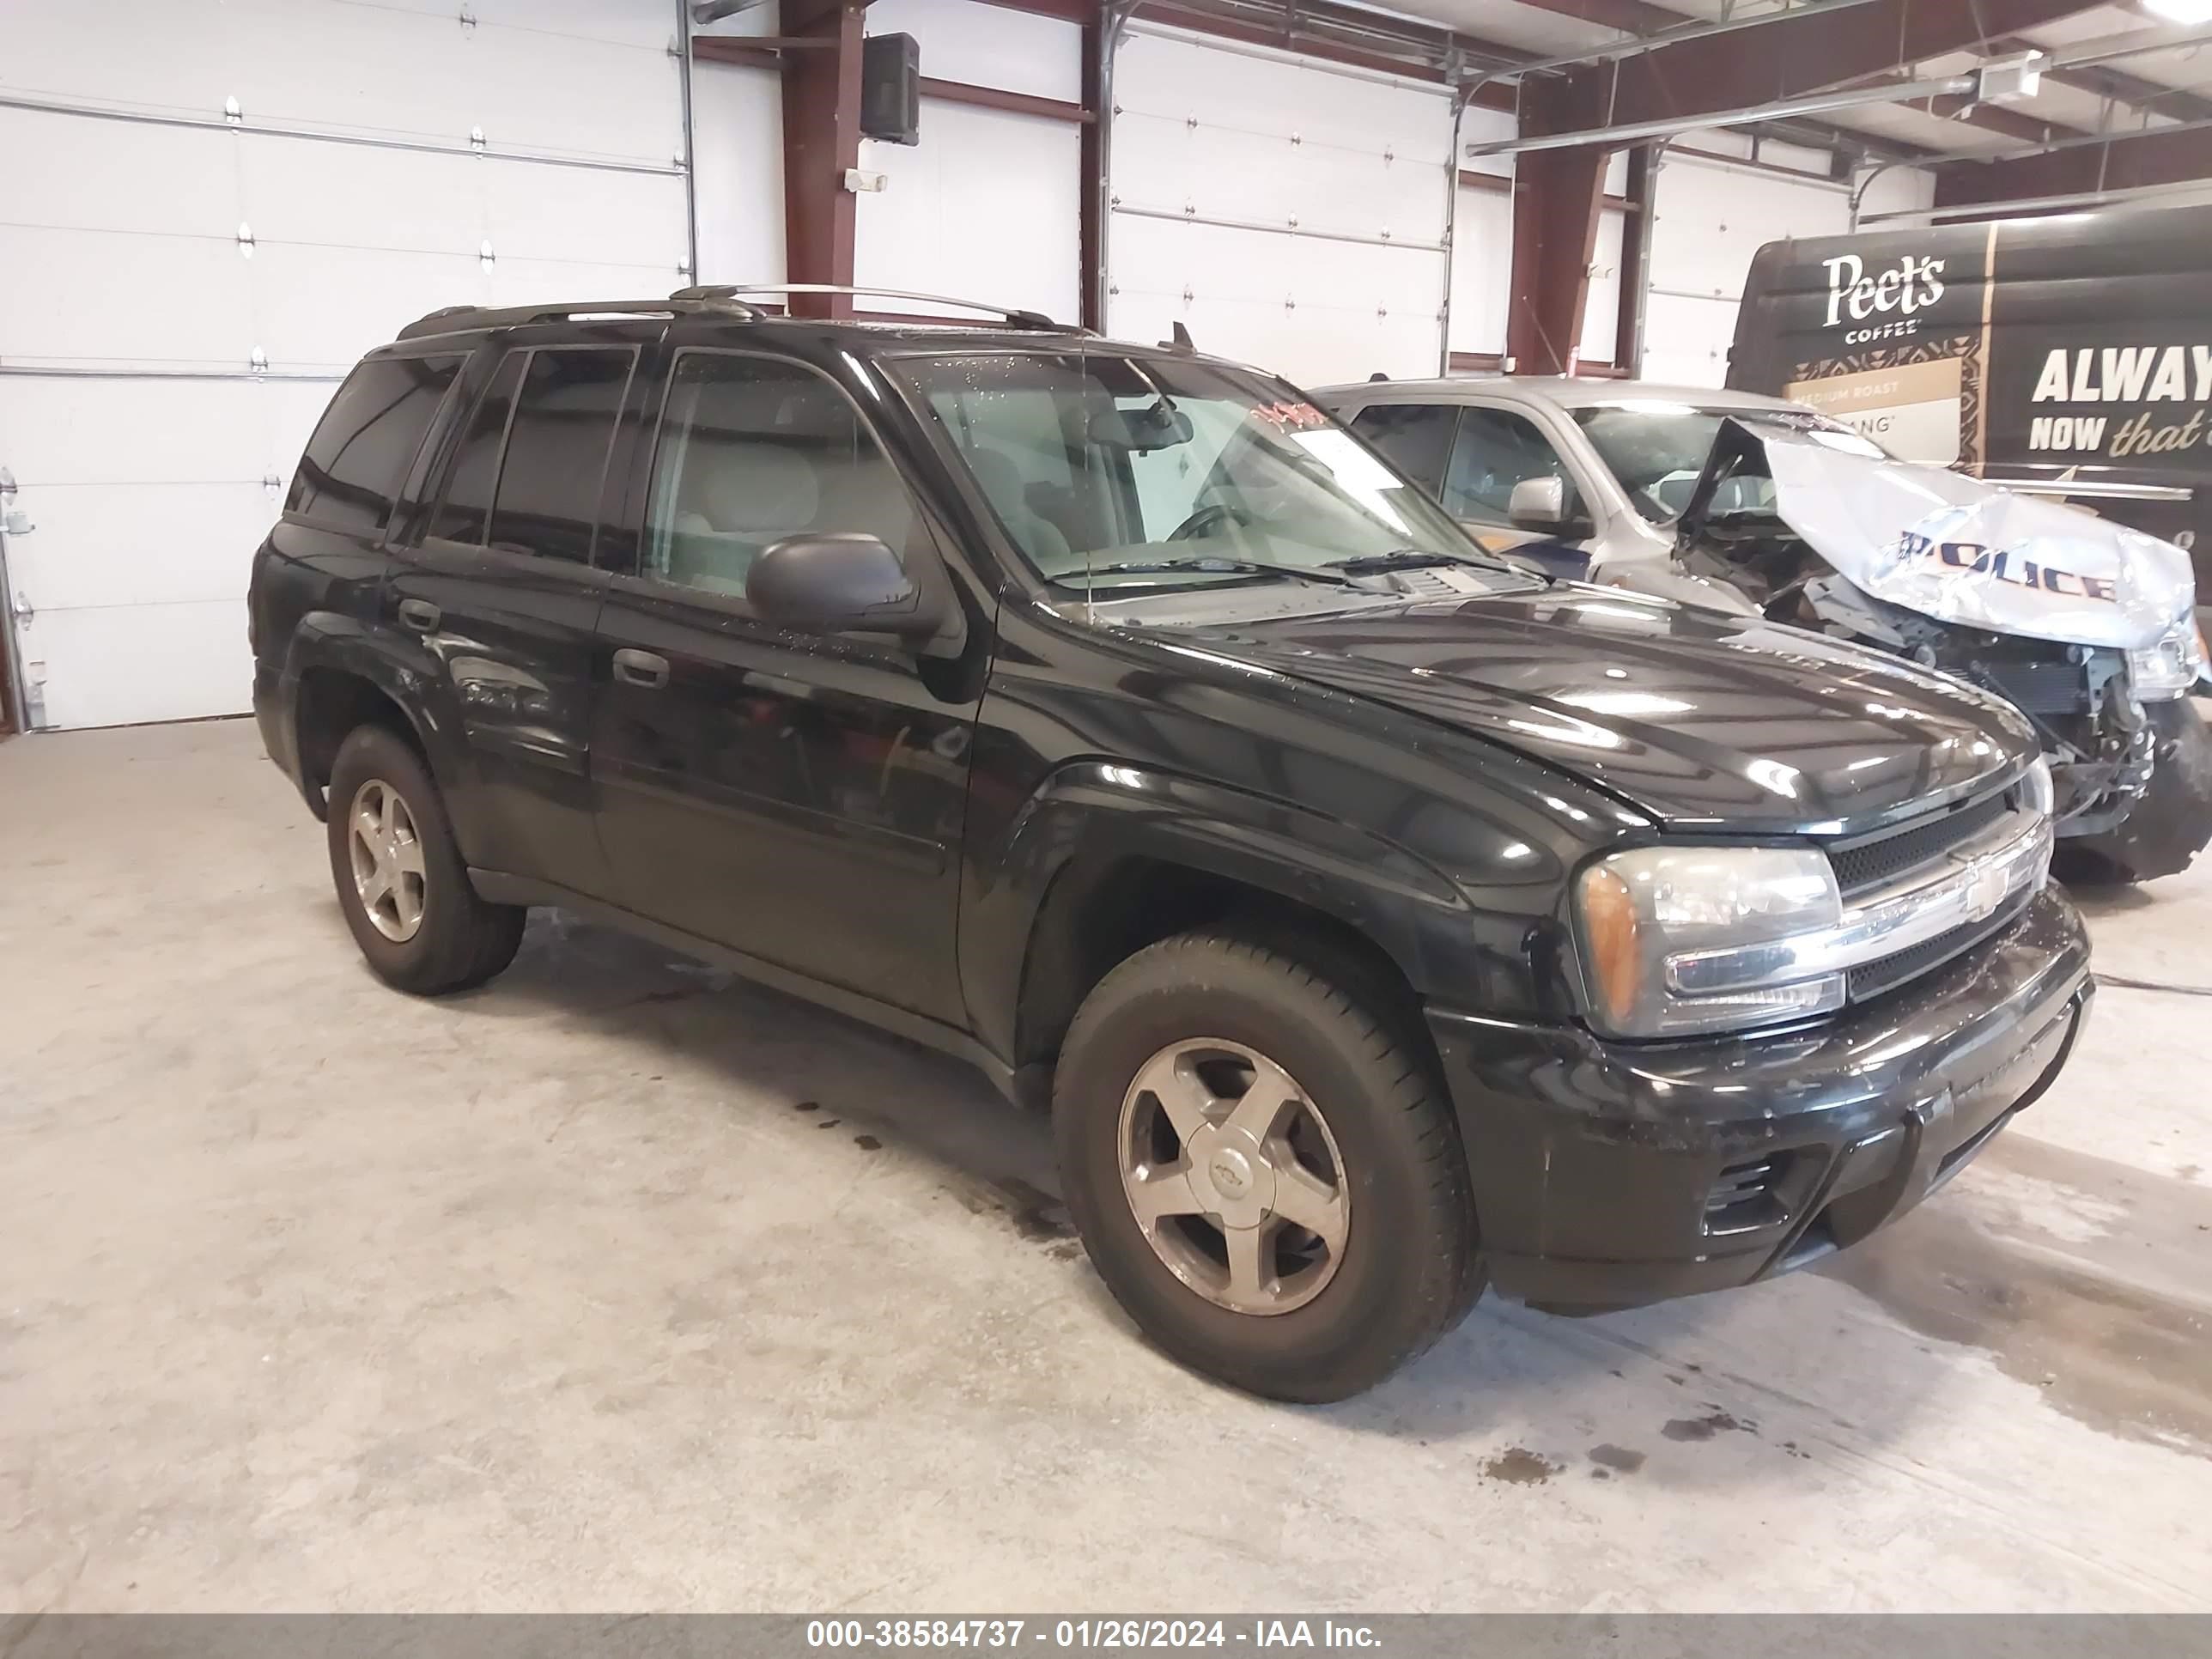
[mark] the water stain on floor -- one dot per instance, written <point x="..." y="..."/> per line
<point x="1036" y="1214"/>
<point x="2104" y="1328"/>
<point x="1519" y="1466"/>
<point x="1621" y="1459"/>
<point x="1705" y="1427"/>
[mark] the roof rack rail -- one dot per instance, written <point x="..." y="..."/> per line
<point x="448" y="320"/>
<point x="1013" y="314"/>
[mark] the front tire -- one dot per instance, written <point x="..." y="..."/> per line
<point x="2169" y="826"/>
<point x="399" y="875"/>
<point x="1263" y="1170"/>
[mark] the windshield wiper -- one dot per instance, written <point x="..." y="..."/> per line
<point x="1210" y="566"/>
<point x="1415" y="558"/>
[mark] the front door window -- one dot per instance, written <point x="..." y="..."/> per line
<point x="1496" y="450"/>
<point x="754" y="452"/>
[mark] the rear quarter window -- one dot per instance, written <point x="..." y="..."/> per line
<point x="367" y="440"/>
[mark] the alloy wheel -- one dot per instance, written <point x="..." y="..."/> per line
<point x="1233" y="1176"/>
<point x="386" y="855"/>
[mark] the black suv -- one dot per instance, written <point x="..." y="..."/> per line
<point x="1381" y="919"/>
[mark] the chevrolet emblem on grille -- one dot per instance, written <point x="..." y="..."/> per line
<point x="1986" y="888"/>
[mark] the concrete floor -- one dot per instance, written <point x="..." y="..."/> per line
<point x="618" y="1285"/>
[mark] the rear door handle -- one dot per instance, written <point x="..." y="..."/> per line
<point x="640" y="668"/>
<point x="420" y="614"/>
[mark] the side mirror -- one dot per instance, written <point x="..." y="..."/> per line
<point x="839" y="584"/>
<point x="1538" y="504"/>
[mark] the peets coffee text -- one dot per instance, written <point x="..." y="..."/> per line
<point x="1908" y="286"/>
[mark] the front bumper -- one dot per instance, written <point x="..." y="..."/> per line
<point x="1607" y="1174"/>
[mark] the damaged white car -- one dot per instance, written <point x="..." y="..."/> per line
<point x="2087" y="626"/>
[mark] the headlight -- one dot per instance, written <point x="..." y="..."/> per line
<point x="1678" y="940"/>
<point x="2167" y="669"/>
<point x="2036" y="792"/>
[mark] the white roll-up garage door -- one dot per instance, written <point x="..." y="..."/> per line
<point x="1287" y="212"/>
<point x="221" y="219"/>
<point x="1712" y="214"/>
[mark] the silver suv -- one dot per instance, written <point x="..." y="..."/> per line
<point x="1575" y="474"/>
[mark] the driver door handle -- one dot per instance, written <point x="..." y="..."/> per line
<point x="420" y="614"/>
<point x="640" y="668"/>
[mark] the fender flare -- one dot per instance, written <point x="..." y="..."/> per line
<point x="395" y="664"/>
<point x="1095" y="815"/>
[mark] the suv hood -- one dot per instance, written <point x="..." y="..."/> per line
<point x="1697" y="717"/>
<point x="1939" y="542"/>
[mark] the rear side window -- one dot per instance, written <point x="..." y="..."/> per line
<point x="466" y="507"/>
<point x="548" y="502"/>
<point x="1415" y="437"/>
<point x="366" y="440"/>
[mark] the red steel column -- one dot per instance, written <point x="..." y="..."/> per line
<point x="821" y="139"/>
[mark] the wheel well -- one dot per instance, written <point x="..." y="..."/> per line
<point x="1093" y="920"/>
<point x="332" y="703"/>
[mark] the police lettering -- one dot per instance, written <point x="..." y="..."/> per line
<point x="2018" y="573"/>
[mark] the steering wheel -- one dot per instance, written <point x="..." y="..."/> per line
<point x="1213" y="516"/>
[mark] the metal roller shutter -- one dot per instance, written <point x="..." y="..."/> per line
<point x="223" y="219"/>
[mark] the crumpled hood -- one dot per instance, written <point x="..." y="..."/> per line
<point x="1960" y="551"/>
<point x="1697" y="717"/>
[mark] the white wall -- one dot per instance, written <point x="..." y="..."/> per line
<point x="1482" y="261"/>
<point x="988" y="204"/>
<point x="737" y="126"/>
<point x="1712" y="216"/>
<point x="1482" y="241"/>
<point x="1287" y="211"/>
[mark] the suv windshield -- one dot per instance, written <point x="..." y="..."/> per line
<point x="1658" y="450"/>
<point x="1111" y="470"/>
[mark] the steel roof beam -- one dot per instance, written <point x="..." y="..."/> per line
<point x="1789" y="57"/>
<point x="2118" y="161"/>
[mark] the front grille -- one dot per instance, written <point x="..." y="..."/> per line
<point x="1880" y="858"/>
<point x="1872" y="978"/>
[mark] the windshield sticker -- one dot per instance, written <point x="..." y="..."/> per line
<point x="2000" y="567"/>
<point x="1289" y="417"/>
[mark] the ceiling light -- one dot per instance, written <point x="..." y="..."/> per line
<point x="2180" y="11"/>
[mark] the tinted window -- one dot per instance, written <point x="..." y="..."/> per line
<point x="368" y="437"/>
<point x="1415" y="436"/>
<point x="1497" y="450"/>
<point x="752" y="452"/>
<point x="466" y="508"/>
<point x="556" y="451"/>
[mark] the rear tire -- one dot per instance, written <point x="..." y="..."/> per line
<point x="399" y="876"/>
<point x="1152" y="1090"/>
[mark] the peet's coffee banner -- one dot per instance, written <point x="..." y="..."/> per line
<point x="2075" y="352"/>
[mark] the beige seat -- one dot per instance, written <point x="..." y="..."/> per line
<point x="1037" y="535"/>
<point x="739" y="498"/>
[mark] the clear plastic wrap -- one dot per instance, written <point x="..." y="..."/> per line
<point x="1960" y="551"/>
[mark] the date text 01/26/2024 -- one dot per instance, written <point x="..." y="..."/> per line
<point x="1086" y="1633"/>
